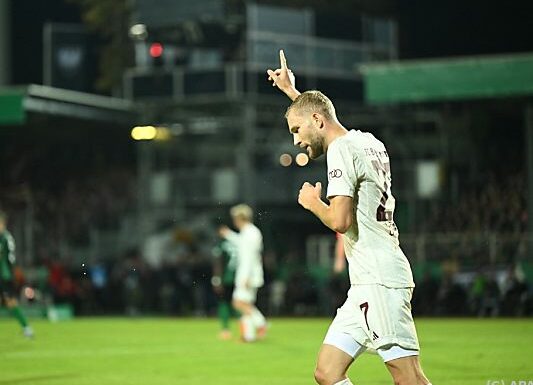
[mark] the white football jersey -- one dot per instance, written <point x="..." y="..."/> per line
<point x="249" y="243"/>
<point x="359" y="167"/>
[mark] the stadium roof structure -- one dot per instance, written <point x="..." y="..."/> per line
<point x="477" y="77"/>
<point x="17" y="102"/>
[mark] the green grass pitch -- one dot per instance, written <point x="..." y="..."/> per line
<point x="157" y="351"/>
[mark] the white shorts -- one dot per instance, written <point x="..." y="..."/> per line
<point x="245" y="294"/>
<point x="375" y="318"/>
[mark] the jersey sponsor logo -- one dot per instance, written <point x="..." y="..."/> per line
<point x="336" y="173"/>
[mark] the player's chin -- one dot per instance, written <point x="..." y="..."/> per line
<point x="313" y="154"/>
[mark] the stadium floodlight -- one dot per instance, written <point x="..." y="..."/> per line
<point x="158" y="133"/>
<point x="138" y="32"/>
<point x="144" y="133"/>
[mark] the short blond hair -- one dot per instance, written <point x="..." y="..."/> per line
<point x="313" y="101"/>
<point x="242" y="211"/>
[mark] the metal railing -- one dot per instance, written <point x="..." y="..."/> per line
<point x="312" y="55"/>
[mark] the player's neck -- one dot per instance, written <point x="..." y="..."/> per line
<point x="336" y="130"/>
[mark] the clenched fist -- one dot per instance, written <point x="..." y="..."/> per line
<point x="309" y="194"/>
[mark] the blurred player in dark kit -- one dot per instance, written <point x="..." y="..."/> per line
<point x="8" y="295"/>
<point x="224" y="265"/>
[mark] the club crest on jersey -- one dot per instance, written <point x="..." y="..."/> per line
<point x="335" y="173"/>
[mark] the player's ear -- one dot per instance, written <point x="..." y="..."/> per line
<point x="318" y="120"/>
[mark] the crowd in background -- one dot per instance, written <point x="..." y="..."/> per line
<point x="491" y="204"/>
<point x="181" y="285"/>
<point x="66" y="214"/>
<point x="95" y="201"/>
<point x="62" y="185"/>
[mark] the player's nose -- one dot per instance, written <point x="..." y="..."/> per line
<point x="297" y="140"/>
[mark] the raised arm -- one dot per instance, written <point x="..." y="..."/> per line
<point x="226" y="233"/>
<point x="283" y="78"/>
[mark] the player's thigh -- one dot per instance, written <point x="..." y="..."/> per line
<point x="242" y="307"/>
<point x="387" y="317"/>
<point x="407" y="370"/>
<point x="332" y="363"/>
<point x="244" y="299"/>
<point x="348" y="330"/>
<point x="245" y="294"/>
<point x="340" y="347"/>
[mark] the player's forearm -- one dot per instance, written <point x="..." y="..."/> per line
<point x="291" y="92"/>
<point x="336" y="221"/>
<point x="232" y="237"/>
<point x="324" y="212"/>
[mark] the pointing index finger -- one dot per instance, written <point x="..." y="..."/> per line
<point x="282" y="59"/>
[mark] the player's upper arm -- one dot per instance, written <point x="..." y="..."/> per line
<point x="342" y="212"/>
<point x="342" y="174"/>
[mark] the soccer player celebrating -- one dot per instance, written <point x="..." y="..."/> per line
<point x="7" y="284"/>
<point x="249" y="271"/>
<point x="377" y="313"/>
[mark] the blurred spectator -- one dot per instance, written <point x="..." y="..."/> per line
<point x="493" y="204"/>
<point x="514" y="293"/>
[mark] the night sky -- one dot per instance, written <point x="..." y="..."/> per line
<point x="427" y="29"/>
<point x="464" y="27"/>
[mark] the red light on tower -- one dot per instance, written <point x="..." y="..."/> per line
<point x="156" y="50"/>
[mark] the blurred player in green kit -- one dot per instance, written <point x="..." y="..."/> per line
<point x="7" y="285"/>
<point x="225" y="262"/>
